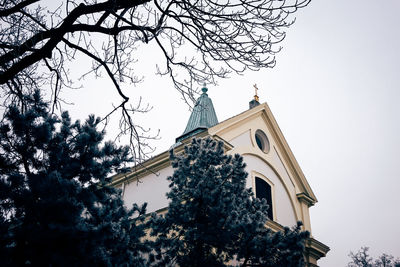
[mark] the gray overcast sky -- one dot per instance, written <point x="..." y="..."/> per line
<point x="334" y="93"/>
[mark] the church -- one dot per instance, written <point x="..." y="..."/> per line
<point x="273" y="172"/>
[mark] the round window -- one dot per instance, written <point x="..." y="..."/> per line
<point x="262" y="141"/>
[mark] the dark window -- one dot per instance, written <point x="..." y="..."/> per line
<point x="262" y="141"/>
<point x="259" y="142"/>
<point x="263" y="190"/>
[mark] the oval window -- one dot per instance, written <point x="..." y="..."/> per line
<point x="262" y="141"/>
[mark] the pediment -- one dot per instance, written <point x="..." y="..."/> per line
<point x="240" y="131"/>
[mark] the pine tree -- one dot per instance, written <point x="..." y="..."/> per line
<point x="213" y="220"/>
<point x="55" y="205"/>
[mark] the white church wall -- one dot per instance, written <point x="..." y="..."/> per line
<point x="285" y="189"/>
<point x="151" y="189"/>
<point x="242" y="137"/>
<point x="242" y="140"/>
<point x="283" y="208"/>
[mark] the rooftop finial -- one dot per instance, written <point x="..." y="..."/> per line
<point x="254" y="102"/>
<point x="256" y="98"/>
<point x="204" y="89"/>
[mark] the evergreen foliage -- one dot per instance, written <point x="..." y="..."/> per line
<point x="55" y="205"/>
<point x="213" y="220"/>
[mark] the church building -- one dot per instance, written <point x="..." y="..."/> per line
<point x="274" y="173"/>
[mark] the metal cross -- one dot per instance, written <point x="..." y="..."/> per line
<point x="255" y="88"/>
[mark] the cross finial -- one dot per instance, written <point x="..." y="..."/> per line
<point x="256" y="98"/>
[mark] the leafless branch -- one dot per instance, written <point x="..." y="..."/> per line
<point x="224" y="36"/>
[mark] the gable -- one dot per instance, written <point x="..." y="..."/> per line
<point x="240" y="132"/>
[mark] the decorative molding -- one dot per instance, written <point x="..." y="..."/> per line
<point x="261" y="176"/>
<point x="274" y="226"/>
<point x="303" y="197"/>
<point x="314" y="250"/>
<point x="161" y="161"/>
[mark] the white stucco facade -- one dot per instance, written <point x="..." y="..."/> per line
<point x="291" y="194"/>
<point x="259" y="165"/>
<point x="282" y="206"/>
<point x="151" y="188"/>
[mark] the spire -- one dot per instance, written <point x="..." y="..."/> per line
<point x="203" y="116"/>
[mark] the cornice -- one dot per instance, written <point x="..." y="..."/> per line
<point x="316" y="249"/>
<point x="288" y="154"/>
<point x="150" y="166"/>
<point x="160" y="161"/>
<point x="303" y="197"/>
<point x="274" y="226"/>
<point x="313" y="247"/>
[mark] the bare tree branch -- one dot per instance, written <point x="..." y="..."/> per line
<point x="225" y="36"/>
<point x="8" y="11"/>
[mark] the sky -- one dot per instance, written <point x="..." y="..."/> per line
<point x="334" y="93"/>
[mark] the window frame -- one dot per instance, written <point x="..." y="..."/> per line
<point x="261" y="137"/>
<point x="271" y="184"/>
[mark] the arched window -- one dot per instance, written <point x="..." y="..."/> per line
<point x="263" y="190"/>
